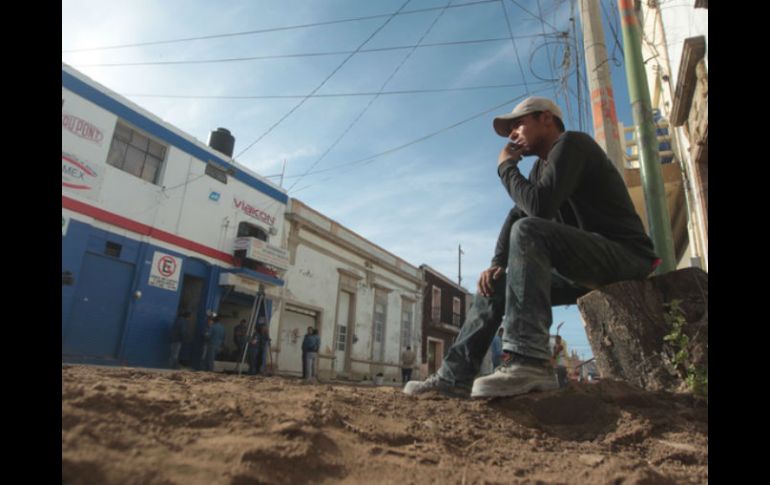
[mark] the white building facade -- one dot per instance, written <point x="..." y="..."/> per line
<point x="364" y="301"/>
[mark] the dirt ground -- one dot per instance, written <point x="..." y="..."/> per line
<point x="140" y="426"/>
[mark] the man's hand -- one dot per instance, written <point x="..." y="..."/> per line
<point x="488" y="276"/>
<point x="509" y="152"/>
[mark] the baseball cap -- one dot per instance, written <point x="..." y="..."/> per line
<point x="529" y="105"/>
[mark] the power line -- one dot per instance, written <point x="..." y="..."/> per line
<point x="418" y="140"/>
<point x="275" y="29"/>
<point x="540" y="18"/>
<point x="551" y="67"/>
<point x="371" y="158"/>
<point x="392" y="16"/>
<point x="515" y="49"/>
<point x="372" y="100"/>
<point x="331" y="95"/>
<point x="610" y="22"/>
<point x="298" y="55"/>
<point x="547" y="50"/>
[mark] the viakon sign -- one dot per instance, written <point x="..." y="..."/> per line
<point x="253" y="212"/>
<point x="78" y="175"/>
<point x="81" y="128"/>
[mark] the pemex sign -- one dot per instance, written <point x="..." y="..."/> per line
<point x="79" y="176"/>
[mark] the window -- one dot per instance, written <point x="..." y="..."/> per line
<point x="250" y="230"/>
<point x="135" y="153"/>
<point x="379" y="322"/>
<point x="342" y="337"/>
<point x="112" y="249"/>
<point x="380" y="314"/>
<point x="216" y="172"/>
<point x="406" y="323"/>
<point x="435" y="313"/>
<point x="456" y="312"/>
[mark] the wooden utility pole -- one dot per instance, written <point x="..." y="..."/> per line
<point x="605" y="117"/>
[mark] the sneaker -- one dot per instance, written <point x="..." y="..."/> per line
<point x="435" y="383"/>
<point x="517" y="375"/>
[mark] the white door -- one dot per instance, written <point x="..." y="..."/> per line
<point x="293" y="330"/>
<point x="343" y="327"/>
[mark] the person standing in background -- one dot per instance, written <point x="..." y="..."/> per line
<point x="407" y="363"/>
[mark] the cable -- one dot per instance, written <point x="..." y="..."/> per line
<point x="371" y="158"/>
<point x="292" y="56"/>
<point x="513" y="42"/>
<point x="532" y="58"/>
<point x="418" y="140"/>
<point x="387" y="152"/>
<point x="372" y="100"/>
<point x="611" y="19"/>
<point x="392" y="16"/>
<point x="275" y="29"/>
<point x="331" y="95"/>
<point x="541" y="19"/>
<point x="547" y="50"/>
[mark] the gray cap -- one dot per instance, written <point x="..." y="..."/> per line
<point x="529" y="105"/>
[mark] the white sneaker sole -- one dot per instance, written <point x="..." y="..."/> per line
<point x="414" y="388"/>
<point x="482" y="389"/>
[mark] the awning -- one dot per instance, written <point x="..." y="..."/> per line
<point x="247" y="281"/>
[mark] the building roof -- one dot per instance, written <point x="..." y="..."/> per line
<point x="87" y="88"/>
<point x="443" y="278"/>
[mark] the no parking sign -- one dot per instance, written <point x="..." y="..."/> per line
<point x="165" y="271"/>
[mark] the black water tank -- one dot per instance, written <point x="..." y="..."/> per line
<point x="222" y="141"/>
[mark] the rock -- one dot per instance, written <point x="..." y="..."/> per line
<point x="591" y="460"/>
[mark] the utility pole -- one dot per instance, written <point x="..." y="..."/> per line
<point x="459" y="265"/>
<point x="649" y="159"/>
<point x="600" y="84"/>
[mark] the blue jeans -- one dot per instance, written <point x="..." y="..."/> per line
<point x="548" y="264"/>
<point x="212" y="349"/>
<point x="173" y="360"/>
<point x="311" y="360"/>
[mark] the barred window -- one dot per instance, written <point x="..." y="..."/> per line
<point x="342" y="337"/>
<point x="435" y="313"/>
<point x="136" y="153"/>
<point x="456" y="311"/>
<point x="380" y="317"/>
<point x="406" y="324"/>
<point x="379" y="322"/>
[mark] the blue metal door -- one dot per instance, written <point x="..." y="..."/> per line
<point x="96" y="323"/>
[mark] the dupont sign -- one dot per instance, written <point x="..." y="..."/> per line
<point x="82" y="128"/>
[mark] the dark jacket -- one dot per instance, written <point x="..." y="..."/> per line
<point x="579" y="186"/>
<point x="179" y="330"/>
<point x="311" y="343"/>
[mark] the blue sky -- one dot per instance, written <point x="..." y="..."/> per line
<point x="420" y="201"/>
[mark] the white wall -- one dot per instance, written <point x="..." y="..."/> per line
<point x="313" y="279"/>
<point x="183" y="207"/>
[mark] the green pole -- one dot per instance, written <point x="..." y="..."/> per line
<point x="649" y="160"/>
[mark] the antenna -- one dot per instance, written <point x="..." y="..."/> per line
<point x="282" y="172"/>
